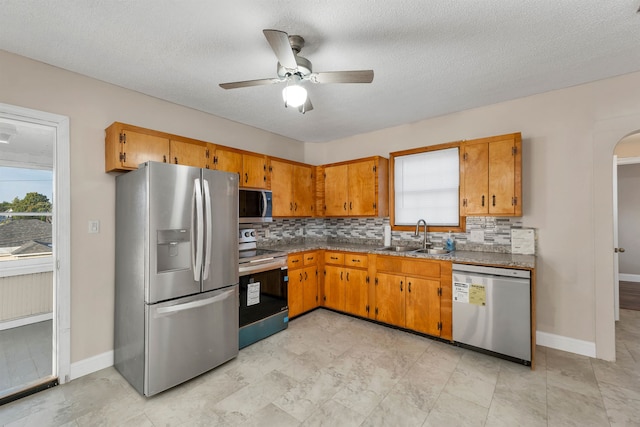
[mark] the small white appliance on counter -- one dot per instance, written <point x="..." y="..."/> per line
<point x="176" y="274"/>
<point x="492" y="310"/>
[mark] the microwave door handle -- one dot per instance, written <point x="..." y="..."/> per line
<point x="197" y="195"/>
<point x="208" y="213"/>
<point x="263" y="212"/>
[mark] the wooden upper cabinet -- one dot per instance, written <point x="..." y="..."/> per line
<point x="357" y="188"/>
<point x="491" y="174"/>
<point x="227" y="160"/>
<point x="190" y="153"/>
<point x="128" y="146"/>
<point x="251" y="168"/>
<point x="281" y="188"/>
<point x="292" y="186"/>
<point x="254" y="171"/>
<point x="336" y="190"/>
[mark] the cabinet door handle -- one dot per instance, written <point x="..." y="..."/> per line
<point x="409" y="289"/>
<point x="164" y="158"/>
<point x="305" y="275"/>
<point x="355" y="260"/>
<point x="341" y="275"/>
<point x="400" y="285"/>
<point x="246" y="177"/>
<point x="334" y="257"/>
<point x="290" y="206"/>
<point x="350" y="206"/>
<point x="301" y="277"/>
<point x="347" y="276"/>
<point x="293" y="261"/>
<point x="345" y="206"/>
<point x="494" y="200"/>
<point x="175" y="160"/>
<point x="295" y="207"/>
<point x="483" y="200"/>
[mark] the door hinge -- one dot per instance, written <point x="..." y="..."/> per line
<point x="367" y="279"/>
<point x="123" y="157"/>
<point x="376" y="311"/>
<point x="440" y="326"/>
<point x="367" y="308"/>
<point x="316" y="298"/>
<point x="375" y="168"/>
<point x="376" y="281"/>
<point x="215" y="160"/>
<point x="325" y="176"/>
<point x="464" y="202"/>
<point x="439" y="292"/>
<point x="465" y="156"/>
<point x="325" y="273"/>
<point x="374" y="206"/>
<point x="514" y="201"/>
<point x="514" y="151"/>
<point x="324" y="298"/>
<point x="206" y="153"/>
<point x="123" y="138"/>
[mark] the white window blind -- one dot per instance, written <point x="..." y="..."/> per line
<point x="427" y="187"/>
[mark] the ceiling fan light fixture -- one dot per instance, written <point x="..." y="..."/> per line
<point x="294" y="95"/>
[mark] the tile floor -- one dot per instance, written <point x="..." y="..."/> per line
<point x="330" y="369"/>
<point x="25" y="354"/>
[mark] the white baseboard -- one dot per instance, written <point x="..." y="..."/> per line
<point x="14" y="323"/>
<point x="629" y="277"/>
<point x="91" y="364"/>
<point x="572" y="345"/>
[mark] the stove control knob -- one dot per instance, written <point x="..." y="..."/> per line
<point x="253" y="234"/>
<point x="246" y="234"/>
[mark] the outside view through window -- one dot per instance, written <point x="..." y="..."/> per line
<point x="25" y="213"/>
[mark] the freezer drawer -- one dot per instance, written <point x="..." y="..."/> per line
<point x="189" y="336"/>
<point x="493" y="313"/>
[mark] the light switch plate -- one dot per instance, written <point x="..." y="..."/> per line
<point x="94" y="226"/>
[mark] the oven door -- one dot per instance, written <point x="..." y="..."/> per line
<point x="262" y="294"/>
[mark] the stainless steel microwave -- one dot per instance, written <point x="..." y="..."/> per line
<point x="255" y="206"/>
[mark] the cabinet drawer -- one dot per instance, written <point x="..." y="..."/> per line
<point x="295" y="261"/>
<point x="334" y="258"/>
<point x="310" y="258"/>
<point x="356" y="260"/>
<point x="399" y="265"/>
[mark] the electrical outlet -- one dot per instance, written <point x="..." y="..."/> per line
<point x="267" y="233"/>
<point x="94" y="226"/>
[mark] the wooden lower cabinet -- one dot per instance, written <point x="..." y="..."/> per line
<point x="334" y="294"/>
<point x="414" y="294"/>
<point x="356" y="300"/>
<point x="390" y="299"/>
<point x="303" y="283"/>
<point x="346" y="282"/>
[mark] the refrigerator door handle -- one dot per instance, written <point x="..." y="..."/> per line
<point x="197" y="197"/>
<point x="194" y="304"/>
<point x="207" y="248"/>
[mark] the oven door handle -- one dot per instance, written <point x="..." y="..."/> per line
<point x="248" y="268"/>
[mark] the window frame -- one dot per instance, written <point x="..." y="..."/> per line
<point x="392" y="189"/>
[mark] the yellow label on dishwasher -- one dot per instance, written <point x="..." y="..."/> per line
<point x="477" y="294"/>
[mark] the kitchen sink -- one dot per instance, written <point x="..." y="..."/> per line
<point x="397" y="248"/>
<point x="432" y="251"/>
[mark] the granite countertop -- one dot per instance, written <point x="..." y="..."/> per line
<point x="467" y="257"/>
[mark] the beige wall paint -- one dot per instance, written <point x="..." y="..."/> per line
<point x="93" y="105"/>
<point x="568" y="140"/>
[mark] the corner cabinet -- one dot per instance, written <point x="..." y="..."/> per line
<point x="491" y="172"/>
<point x="303" y="283"/>
<point x="346" y="282"/>
<point x="293" y="190"/>
<point x="127" y="146"/>
<point x="250" y="167"/>
<point x="356" y="188"/>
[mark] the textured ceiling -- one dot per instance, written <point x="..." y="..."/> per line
<point x="430" y="57"/>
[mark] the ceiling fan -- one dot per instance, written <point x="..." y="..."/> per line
<point x="294" y="70"/>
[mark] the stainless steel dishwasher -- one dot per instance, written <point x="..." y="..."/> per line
<point x="492" y="310"/>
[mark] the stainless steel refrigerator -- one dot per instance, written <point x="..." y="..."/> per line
<point x="176" y="272"/>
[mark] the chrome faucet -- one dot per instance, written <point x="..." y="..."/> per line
<point x="425" y="243"/>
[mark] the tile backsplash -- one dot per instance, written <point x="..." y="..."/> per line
<point x="488" y="234"/>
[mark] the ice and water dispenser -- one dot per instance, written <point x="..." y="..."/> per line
<point x="173" y="250"/>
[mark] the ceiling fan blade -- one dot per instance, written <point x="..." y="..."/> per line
<point x="356" y="76"/>
<point x="307" y="106"/>
<point x="248" y="83"/>
<point x="279" y="41"/>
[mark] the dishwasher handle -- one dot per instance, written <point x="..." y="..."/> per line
<point x="491" y="271"/>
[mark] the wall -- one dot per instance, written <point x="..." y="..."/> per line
<point x="92" y="106"/>
<point x="629" y="218"/>
<point x="568" y="139"/>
